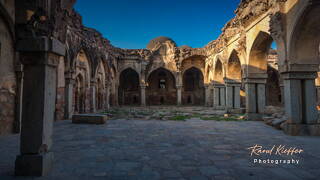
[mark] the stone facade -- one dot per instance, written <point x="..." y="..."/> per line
<point x="88" y="74"/>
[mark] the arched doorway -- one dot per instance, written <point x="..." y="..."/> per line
<point x="161" y="88"/>
<point x="193" y="87"/>
<point x="129" y="87"/>
<point x="263" y="84"/>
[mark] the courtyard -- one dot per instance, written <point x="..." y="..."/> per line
<point x="143" y="146"/>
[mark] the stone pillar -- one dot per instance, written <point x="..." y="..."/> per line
<point x="179" y="95"/>
<point x="255" y="97"/>
<point x="107" y="104"/>
<point x="318" y="95"/>
<point x="93" y="108"/>
<point x="219" y="96"/>
<point x="207" y="94"/>
<point x="233" y="96"/>
<point x="18" y="108"/>
<point x="300" y="103"/>
<point x="143" y="95"/>
<point x="69" y="96"/>
<point x="40" y="57"/>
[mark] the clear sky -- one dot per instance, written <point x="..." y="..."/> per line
<point x="132" y="24"/>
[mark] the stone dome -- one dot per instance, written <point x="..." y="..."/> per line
<point x="159" y="40"/>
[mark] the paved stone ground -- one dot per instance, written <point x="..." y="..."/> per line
<point x="153" y="149"/>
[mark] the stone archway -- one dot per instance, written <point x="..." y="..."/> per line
<point x="193" y="87"/>
<point x="129" y="87"/>
<point x="233" y="82"/>
<point x="257" y="77"/>
<point x="161" y="88"/>
<point x="219" y="92"/>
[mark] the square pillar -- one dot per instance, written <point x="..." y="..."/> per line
<point x="207" y="94"/>
<point x="300" y="104"/>
<point x="69" y="97"/>
<point x="19" y="96"/>
<point x="216" y="95"/>
<point x="93" y="108"/>
<point x="222" y="96"/>
<point x="40" y="57"/>
<point x="219" y="96"/>
<point x="107" y="104"/>
<point x="143" y="95"/>
<point x="179" y="95"/>
<point x="233" y="95"/>
<point x="255" y="97"/>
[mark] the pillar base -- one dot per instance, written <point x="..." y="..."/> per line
<point x="34" y="165"/>
<point x="302" y="129"/>
<point x="254" y="117"/>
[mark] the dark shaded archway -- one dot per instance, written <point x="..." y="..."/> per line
<point x="161" y="88"/>
<point x="273" y="92"/>
<point x="129" y="87"/>
<point x="193" y="87"/>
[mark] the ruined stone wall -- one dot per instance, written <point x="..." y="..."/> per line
<point x="7" y="73"/>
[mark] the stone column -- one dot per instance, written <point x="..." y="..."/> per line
<point x="318" y="95"/>
<point x="69" y="95"/>
<point x="179" y="95"/>
<point x="18" y="108"/>
<point x="219" y="96"/>
<point x="107" y="104"/>
<point x="233" y="95"/>
<point x="93" y="108"/>
<point x="143" y="95"/>
<point x="207" y="94"/>
<point x="255" y="97"/>
<point x="300" y="103"/>
<point x="40" y="57"/>
<point x="216" y="95"/>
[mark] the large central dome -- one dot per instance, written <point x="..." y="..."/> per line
<point x="159" y="40"/>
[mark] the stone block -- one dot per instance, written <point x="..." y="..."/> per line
<point x="89" y="119"/>
<point x="33" y="165"/>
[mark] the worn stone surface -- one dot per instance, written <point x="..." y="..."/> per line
<point x="193" y="149"/>
<point x="89" y="119"/>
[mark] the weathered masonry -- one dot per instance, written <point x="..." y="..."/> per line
<point x="54" y="66"/>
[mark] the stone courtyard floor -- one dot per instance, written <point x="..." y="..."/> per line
<point x="192" y="148"/>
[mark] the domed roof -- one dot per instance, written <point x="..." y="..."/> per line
<point x="159" y="40"/>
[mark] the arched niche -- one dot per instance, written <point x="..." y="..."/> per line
<point x="305" y="38"/>
<point x="193" y="87"/>
<point x="234" y="67"/>
<point x="161" y="88"/>
<point x="259" y="53"/>
<point x="218" y="73"/>
<point x="129" y="87"/>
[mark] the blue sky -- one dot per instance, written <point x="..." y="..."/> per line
<point x="133" y="23"/>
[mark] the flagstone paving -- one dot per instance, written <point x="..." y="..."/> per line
<point x="153" y="149"/>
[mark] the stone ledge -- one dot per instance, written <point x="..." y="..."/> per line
<point x="89" y="119"/>
<point x="302" y="129"/>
